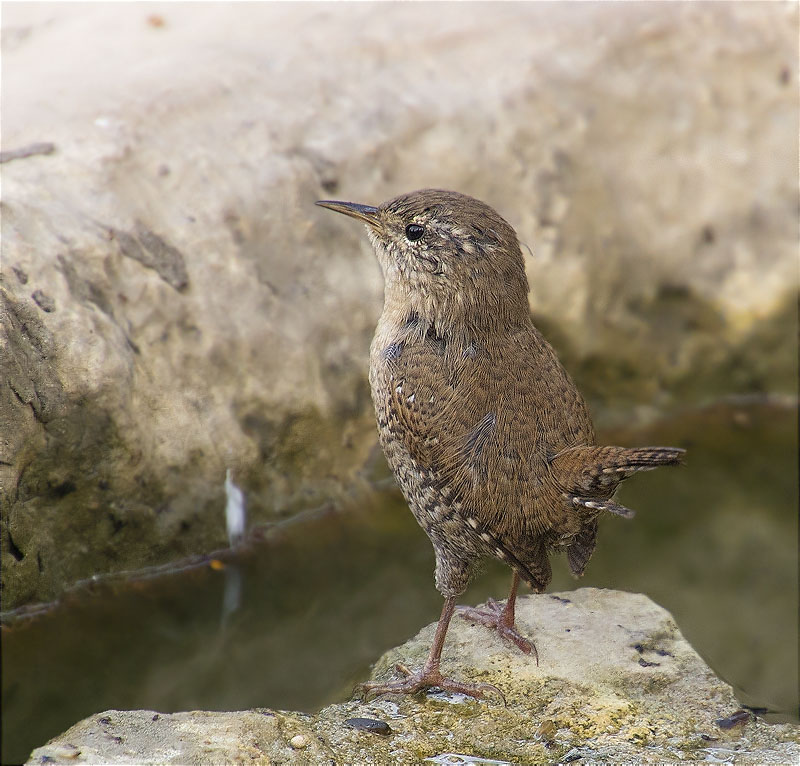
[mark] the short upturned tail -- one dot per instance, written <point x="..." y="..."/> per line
<point x="594" y="472"/>
<point x="639" y="458"/>
<point x="589" y="476"/>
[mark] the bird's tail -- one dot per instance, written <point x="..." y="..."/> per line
<point x="640" y="458"/>
<point x="589" y="475"/>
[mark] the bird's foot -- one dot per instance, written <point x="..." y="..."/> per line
<point x="426" y="679"/>
<point x="495" y="616"/>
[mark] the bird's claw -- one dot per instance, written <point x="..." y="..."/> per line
<point x="494" y="616"/>
<point x="426" y="679"/>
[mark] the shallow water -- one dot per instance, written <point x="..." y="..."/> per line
<point x="295" y="619"/>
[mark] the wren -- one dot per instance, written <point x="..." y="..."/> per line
<point x="488" y="437"/>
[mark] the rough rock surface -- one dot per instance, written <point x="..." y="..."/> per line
<point x="173" y="305"/>
<point x="616" y="683"/>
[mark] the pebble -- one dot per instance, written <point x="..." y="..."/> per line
<point x="372" y="725"/>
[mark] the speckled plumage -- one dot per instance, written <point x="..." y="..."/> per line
<point x="487" y="435"/>
<point x="470" y="437"/>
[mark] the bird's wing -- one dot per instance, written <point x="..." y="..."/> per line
<point x="515" y="409"/>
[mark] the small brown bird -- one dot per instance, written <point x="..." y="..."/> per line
<point x="487" y="436"/>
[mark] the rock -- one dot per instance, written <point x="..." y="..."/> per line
<point x="617" y="682"/>
<point x="173" y="305"/>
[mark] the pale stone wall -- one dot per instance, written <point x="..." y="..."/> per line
<point x="174" y="305"/>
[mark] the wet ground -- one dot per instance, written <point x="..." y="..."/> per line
<point x="296" y="617"/>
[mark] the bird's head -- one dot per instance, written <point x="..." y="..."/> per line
<point x="447" y="258"/>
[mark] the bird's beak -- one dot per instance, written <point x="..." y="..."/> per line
<point x="365" y="213"/>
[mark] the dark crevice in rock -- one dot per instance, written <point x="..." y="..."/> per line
<point x="84" y="290"/>
<point x="36" y="406"/>
<point x="31" y="150"/>
<point x="63" y="489"/>
<point x="43" y="301"/>
<point x="149" y="249"/>
<point x="134" y="346"/>
<point x="116" y="524"/>
<point x="14" y="550"/>
<point x="17" y="394"/>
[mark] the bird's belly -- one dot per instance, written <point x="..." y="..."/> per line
<point x="435" y="509"/>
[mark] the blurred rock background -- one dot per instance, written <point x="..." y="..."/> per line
<point x="173" y="304"/>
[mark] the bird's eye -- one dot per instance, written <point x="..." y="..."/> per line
<point x="414" y="231"/>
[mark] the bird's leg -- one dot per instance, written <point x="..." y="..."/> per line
<point x="429" y="675"/>
<point x="501" y="618"/>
